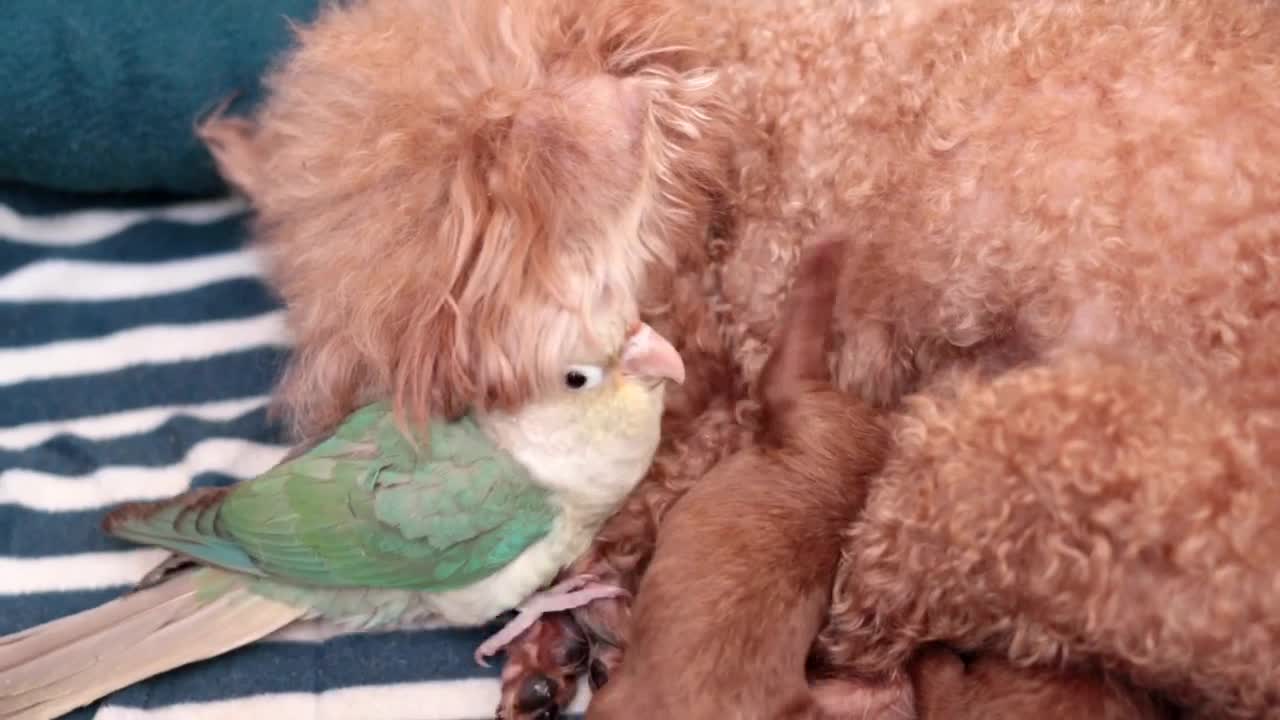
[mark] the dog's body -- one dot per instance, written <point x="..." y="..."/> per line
<point x="1066" y="259"/>
<point x="1062" y="280"/>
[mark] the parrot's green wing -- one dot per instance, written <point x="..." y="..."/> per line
<point x="366" y="508"/>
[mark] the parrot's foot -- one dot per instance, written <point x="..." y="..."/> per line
<point x="572" y="593"/>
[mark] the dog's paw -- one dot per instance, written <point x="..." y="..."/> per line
<point x="540" y="676"/>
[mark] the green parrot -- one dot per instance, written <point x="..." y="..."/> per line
<point x="370" y="528"/>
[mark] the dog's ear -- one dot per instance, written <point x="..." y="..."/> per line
<point x="231" y="142"/>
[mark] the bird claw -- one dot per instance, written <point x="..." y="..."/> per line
<point x="573" y="593"/>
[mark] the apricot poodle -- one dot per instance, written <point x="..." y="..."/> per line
<point x="1063" y="281"/>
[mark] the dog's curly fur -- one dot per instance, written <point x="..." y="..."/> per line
<point x="1067" y="256"/>
<point x="1064" y="281"/>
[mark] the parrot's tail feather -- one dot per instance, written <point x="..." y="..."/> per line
<point x="54" y="668"/>
<point x="39" y="641"/>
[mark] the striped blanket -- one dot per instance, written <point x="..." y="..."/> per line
<point x="137" y="349"/>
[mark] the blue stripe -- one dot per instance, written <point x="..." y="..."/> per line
<point x="166" y="445"/>
<point x="153" y="241"/>
<point x="234" y="375"/>
<point x="26" y="200"/>
<point x="35" y="534"/>
<point x="84" y="713"/>
<point x="37" y="323"/>
<point x="346" y="661"/>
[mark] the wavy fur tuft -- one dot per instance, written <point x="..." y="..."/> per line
<point x="459" y="198"/>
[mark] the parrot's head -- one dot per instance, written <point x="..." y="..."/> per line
<point x="618" y="395"/>
<point x="595" y="435"/>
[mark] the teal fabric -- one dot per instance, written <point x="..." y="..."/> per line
<point x="102" y="95"/>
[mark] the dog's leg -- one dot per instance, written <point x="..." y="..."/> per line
<point x="543" y="665"/>
<point x="540" y="676"/>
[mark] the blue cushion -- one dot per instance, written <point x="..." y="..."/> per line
<point x="103" y="95"/>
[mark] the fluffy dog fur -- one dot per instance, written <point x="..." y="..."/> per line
<point x="740" y="581"/>
<point x="450" y="194"/>
<point x="1063" y="280"/>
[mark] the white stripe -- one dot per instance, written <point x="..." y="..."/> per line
<point x="472" y="699"/>
<point x="129" y="422"/>
<point x="84" y="571"/>
<point x="54" y="280"/>
<point x="136" y="346"/>
<point x="88" y="226"/>
<point x="110" y="485"/>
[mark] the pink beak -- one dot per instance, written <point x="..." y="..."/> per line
<point x="648" y="354"/>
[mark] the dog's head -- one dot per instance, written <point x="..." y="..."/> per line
<point x="458" y="196"/>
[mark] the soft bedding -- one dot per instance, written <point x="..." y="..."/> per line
<point x="137" y="350"/>
<point x="102" y="95"/>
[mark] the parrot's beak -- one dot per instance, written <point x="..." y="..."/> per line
<point x="648" y="354"/>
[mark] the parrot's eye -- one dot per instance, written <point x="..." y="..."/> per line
<point x="582" y="377"/>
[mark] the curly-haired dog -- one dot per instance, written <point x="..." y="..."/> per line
<point x="1065" y="252"/>
<point x="1079" y="201"/>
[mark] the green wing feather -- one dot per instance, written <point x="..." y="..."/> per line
<point x="365" y="508"/>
